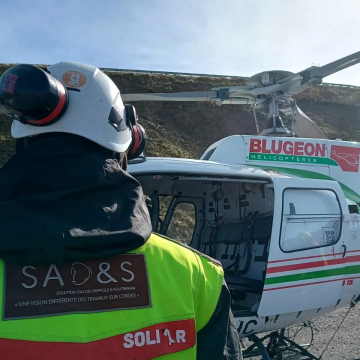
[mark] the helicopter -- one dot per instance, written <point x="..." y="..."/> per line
<point x="280" y="209"/>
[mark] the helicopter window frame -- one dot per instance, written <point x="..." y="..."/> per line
<point x="175" y="199"/>
<point x="208" y="155"/>
<point x="309" y="215"/>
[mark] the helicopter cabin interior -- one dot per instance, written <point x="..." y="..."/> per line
<point x="231" y="221"/>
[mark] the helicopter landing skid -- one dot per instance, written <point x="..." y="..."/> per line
<point x="279" y="347"/>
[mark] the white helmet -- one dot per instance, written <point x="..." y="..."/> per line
<point x="75" y="98"/>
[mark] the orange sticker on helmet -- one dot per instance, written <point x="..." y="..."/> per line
<point x="74" y="79"/>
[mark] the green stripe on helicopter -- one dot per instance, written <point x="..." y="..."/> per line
<point x="349" y="193"/>
<point x="292" y="159"/>
<point x="348" y="270"/>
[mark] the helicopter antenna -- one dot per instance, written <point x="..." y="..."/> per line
<point x="256" y="121"/>
<point x="337" y="329"/>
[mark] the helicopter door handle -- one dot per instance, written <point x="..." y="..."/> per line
<point x="344" y="246"/>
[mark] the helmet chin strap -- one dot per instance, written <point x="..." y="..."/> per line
<point x="122" y="159"/>
<point x="20" y="144"/>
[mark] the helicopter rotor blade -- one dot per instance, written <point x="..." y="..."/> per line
<point x="240" y="95"/>
<point x="235" y="92"/>
<point x="287" y="86"/>
<point x="335" y="66"/>
<point x="276" y="87"/>
<point x="303" y="126"/>
<point x="180" y="96"/>
<point x="238" y="101"/>
<point x="314" y="75"/>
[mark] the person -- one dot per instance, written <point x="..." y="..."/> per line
<point x="81" y="275"/>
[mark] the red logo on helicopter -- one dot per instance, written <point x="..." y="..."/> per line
<point x="347" y="157"/>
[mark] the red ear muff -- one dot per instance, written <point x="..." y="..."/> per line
<point x="138" y="142"/>
<point x="138" y="135"/>
<point x="136" y="139"/>
<point x="32" y="95"/>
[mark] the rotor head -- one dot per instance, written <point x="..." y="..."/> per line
<point x="267" y="78"/>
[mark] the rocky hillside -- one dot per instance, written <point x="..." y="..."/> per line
<point x="186" y="129"/>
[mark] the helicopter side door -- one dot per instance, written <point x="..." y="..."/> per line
<point x="305" y="266"/>
<point x="184" y="219"/>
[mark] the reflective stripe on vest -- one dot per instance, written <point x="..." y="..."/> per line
<point x="184" y="288"/>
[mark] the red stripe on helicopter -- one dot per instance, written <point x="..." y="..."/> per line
<point x="313" y="283"/>
<point x="310" y="257"/>
<point x="352" y="251"/>
<point x="314" y="264"/>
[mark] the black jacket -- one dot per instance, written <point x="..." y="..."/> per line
<point x="70" y="190"/>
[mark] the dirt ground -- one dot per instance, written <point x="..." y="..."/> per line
<point x="345" y="345"/>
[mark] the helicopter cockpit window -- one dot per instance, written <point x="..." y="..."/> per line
<point x="182" y="223"/>
<point x="311" y="218"/>
<point x="208" y="154"/>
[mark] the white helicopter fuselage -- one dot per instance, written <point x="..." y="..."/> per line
<point x="298" y="157"/>
<point x="280" y="214"/>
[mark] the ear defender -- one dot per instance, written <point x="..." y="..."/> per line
<point x="138" y="133"/>
<point x="33" y="96"/>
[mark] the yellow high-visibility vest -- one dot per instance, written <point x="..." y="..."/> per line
<point x="162" y="320"/>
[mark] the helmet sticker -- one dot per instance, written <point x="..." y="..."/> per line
<point x="9" y="83"/>
<point x="74" y="79"/>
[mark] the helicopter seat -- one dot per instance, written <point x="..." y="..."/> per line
<point x="232" y="241"/>
<point x="241" y="283"/>
<point x="252" y="278"/>
<point x="261" y="229"/>
<point x="229" y="238"/>
<point x="205" y="241"/>
<point x="223" y="240"/>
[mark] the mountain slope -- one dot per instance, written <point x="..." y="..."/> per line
<point x="180" y="129"/>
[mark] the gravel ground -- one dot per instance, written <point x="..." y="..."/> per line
<point x="345" y="345"/>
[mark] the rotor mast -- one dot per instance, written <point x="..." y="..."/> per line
<point x="275" y="125"/>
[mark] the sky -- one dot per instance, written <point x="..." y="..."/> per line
<point x="225" y="37"/>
